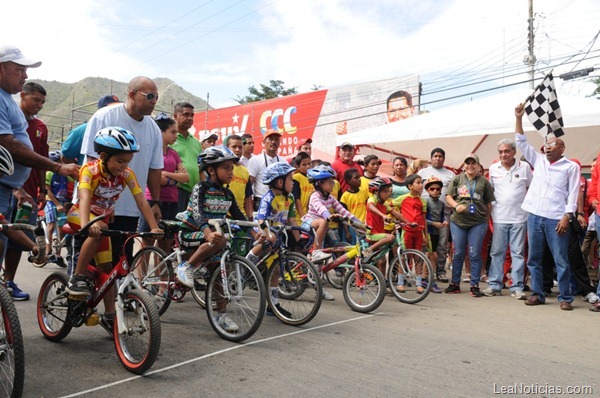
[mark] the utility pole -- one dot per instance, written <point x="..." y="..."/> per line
<point x="530" y="57"/>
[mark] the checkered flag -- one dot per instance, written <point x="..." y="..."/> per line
<point x="543" y="110"/>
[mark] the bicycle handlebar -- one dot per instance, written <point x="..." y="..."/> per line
<point x="218" y="223"/>
<point x="109" y="232"/>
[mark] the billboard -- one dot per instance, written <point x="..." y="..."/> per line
<point x="320" y="115"/>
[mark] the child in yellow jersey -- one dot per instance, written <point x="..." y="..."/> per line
<point x="355" y="198"/>
<point x="302" y="188"/>
<point x="240" y="185"/>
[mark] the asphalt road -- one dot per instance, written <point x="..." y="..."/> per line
<point x="449" y="345"/>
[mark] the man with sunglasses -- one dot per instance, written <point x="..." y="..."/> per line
<point x="147" y="164"/>
<point x="247" y="149"/>
<point x="552" y="203"/>
<point x="510" y="178"/>
<point x="188" y="148"/>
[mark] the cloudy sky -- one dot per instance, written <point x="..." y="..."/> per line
<point x="223" y="47"/>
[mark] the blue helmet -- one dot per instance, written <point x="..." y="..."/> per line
<point x="214" y="155"/>
<point x="320" y="172"/>
<point x="7" y="165"/>
<point x="114" y="140"/>
<point x="276" y="170"/>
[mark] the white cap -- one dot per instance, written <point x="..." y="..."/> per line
<point x="207" y="135"/>
<point x="10" y="53"/>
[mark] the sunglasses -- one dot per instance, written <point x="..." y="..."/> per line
<point x="434" y="189"/>
<point x="149" y="96"/>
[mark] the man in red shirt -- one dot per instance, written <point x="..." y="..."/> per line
<point x="345" y="162"/>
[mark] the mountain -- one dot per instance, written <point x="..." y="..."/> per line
<point x="70" y="104"/>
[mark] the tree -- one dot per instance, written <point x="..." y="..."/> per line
<point x="275" y="89"/>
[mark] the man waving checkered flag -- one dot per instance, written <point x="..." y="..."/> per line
<point x="543" y="110"/>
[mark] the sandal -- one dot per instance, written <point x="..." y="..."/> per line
<point x="420" y="290"/>
<point x="467" y="278"/>
<point x="400" y="289"/>
<point x="595" y="307"/>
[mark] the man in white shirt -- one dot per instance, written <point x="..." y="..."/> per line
<point x="551" y="202"/>
<point x="510" y="179"/>
<point x="258" y="163"/>
<point x="437" y="169"/>
<point x="247" y="149"/>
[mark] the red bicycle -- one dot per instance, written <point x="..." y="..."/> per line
<point x="137" y="330"/>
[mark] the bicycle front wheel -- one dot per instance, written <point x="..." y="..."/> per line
<point x="410" y="276"/>
<point x="364" y="290"/>
<point x="12" y="353"/>
<point x="155" y="275"/>
<point x="52" y="307"/>
<point x="335" y="277"/>
<point x="236" y="312"/>
<point x="297" y="297"/>
<point x="138" y="344"/>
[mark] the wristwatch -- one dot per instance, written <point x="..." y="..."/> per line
<point x="155" y="202"/>
<point x="580" y="213"/>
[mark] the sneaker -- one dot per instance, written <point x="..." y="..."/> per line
<point x="475" y="292"/>
<point x="435" y="288"/>
<point x="442" y="278"/>
<point x="51" y="258"/>
<point x="489" y="292"/>
<point x="367" y="255"/>
<point x="319" y="255"/>
<point x="484" y="279"/>
<point x="591" y="298"/>
<point x="452" y="288"/>
<point x="519" y="295"/>
<point x="78" y="286"/>
<point x="185" y="274"/>
<point x="16" y="293"/>
<point x="467" y="278"/>
<point x="281" y="310"/>
<point x="107" y="323"/>
<point x="327" y="296"/>
<point x="225" y="322"/>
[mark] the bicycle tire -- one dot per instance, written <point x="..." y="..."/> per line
<point x="411" y="262"/>
<point x="157" y="283"/>
<point x="369" y="293"/>
<point x="52" y="308"/>
<point x="247" y="302"/>
<point x="298" y="292"/>
<point x="138" y="345"/>
<point x="199" y="292"/>
<point x="335" y="277"/>
<point x="12" y="351"/>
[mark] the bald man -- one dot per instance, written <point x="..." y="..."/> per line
<point x="552" y="203"/>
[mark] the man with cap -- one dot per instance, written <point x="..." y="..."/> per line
<point x="14" y="137"/>
<point x="305" y="146"/>
<point x="188" y="148"/>
<point x="257" y="164"/>
<point x="344" y="162"/>
<point x="552" y="203"/>
<point x="208" y="139"/>
<point x="71" y="148"/>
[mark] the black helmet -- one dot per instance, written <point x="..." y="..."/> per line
<point x="215" y="155"/>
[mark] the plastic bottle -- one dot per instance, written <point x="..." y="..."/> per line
<point x="24" y="213"/>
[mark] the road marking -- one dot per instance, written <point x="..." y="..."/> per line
<point x="212" y="354"/>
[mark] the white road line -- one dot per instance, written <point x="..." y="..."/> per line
<point x="212" y="354"/>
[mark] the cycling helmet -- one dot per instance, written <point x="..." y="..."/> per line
<point x="276" y="170"/>
<point x="379" y="182"/>
<point x="7" y="166"/>
<point x="55" y="156"/>
<point x="113" y="140"/>
<point x="214" y="155"/>
<point x="319" y="173"/>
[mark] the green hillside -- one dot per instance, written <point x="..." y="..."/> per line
<point x="70" y="104"/>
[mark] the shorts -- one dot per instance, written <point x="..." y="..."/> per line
<point x="434" y="240"/>
<point x="104" y="253"/>
<point x="376" y="237"/>
<point x="413" y="240"/>
<point x="168" y="211"/>
<point x="191" y="239"/>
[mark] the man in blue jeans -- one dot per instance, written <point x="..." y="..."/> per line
<point x="551" y="202"/>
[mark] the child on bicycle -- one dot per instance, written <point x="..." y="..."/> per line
<point x="7" y="168"/>
<point x="101" y="181"/>
<point x="210" y="199"/>
<point x="278" y="208"/>
<point x="378" y="212"/>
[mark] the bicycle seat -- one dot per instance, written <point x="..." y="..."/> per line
<point x="170" y="227"/>
<point x="67" y="230"/>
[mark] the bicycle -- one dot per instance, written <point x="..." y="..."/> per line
<point x="12" y="350"/>
<point x="137" y="330"/>
<point x="298" y="281"/>
<point x="363" y="285"/>
<point x="57" y="244"/>
<point x="231" y="282"/>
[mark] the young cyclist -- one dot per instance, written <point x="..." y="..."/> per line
<point x="210" y="199"/>
<point x="101" y="181"/>
<point x="277" y="207"/>
<point x="7" y="168"/>
<point x="378" y="210"/>
<point x="302" y="188"/>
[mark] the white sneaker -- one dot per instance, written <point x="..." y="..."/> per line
<point x="185" y="274"/>
<point x="228" y="325"/>
<point x="519" y="295"/>
<point x="327" y="296"/>
<point x="591" y="298"/>
<point x="319" y="255"/>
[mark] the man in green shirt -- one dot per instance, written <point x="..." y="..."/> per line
<point x="188" y="148"/>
